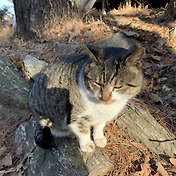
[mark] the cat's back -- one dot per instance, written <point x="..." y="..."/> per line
<point x="63" y="71"/>
<point x="56" y="86"/>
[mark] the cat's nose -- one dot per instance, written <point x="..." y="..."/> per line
<point x="105" y="99"/>
<point x="106" y="93"/>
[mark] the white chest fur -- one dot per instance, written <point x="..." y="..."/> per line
<point x="100" y="112"/>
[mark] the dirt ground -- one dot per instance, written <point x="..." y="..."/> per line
<point x="153" y="30"/>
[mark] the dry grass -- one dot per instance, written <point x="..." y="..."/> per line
<point x="6" y="31"/>
<point x="127" y="7"/>
<point x="76" y="30"/>
<point x="138" y="22"/>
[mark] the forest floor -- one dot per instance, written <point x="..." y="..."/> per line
<point x="154" y="32"/>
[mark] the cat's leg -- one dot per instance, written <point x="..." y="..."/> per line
<point x="81" y="129"/>
<point x="43" y="137"/>
<point x="98" y="135"/>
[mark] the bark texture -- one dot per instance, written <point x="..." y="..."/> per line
<point x="171" y="10"/>
<point x="32" y="15"/>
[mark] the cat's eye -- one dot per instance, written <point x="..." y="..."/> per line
<point x="117" y="87"/>
<point x="131" y="85"/>
<point x="98" y="84"/>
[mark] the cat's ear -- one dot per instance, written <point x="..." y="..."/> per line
<point x="95" y="53"/>
<point x="135" y="59"/>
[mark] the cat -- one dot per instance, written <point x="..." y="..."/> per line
<point x="75" y="94"/>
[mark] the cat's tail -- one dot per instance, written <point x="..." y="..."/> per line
<point x="43" y="137"/>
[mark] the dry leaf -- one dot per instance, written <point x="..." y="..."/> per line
<point x="10" y="172"/>
<point x="157" y="58"/>
<point x="6" y="161"/>
<point x="147" y="65"/>
<point x="2" y="150"/>
<point x="13" y="174"/>
<point x="149" y="72"/>
<point x="160" y="43"/>
<point x="173" y="161"/>
<point x="131" y="33"/>
<point x="157" y="174"/>
<point x="145" y="167"/>
<point x="161" y="170"/>
<point x="155" y="98"/>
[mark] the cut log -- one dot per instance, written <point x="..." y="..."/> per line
<point x="13" y="86"/>
<point x="141" y="125"/>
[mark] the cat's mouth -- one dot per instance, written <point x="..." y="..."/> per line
<point x="110" y="101"/>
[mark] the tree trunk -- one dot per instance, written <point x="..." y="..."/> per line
<point x="32" y="15"/>
<point x="171" y="10"/>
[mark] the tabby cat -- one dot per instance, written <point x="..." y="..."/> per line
<point x="73" y="95"/>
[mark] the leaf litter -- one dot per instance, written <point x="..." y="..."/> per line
<point x="129" y="157"/>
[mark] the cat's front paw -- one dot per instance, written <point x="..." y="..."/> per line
<point x="89" y="147"/>
<point x="101" y="142"/>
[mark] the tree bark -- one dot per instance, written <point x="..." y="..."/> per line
<point x="13" y="86"/>
<point x="171" y="10"/>
<point x="32" y="15"/>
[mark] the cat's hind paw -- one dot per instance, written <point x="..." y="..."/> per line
<point x="89" y="147"/>
<point x="101" y="142"/>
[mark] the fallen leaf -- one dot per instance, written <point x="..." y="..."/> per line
<point x="161" y="170"/>
<point x="2" y="150"/>
<point x="112" y="157"/>
<point x="173" y="161"/>
<point x="6" y="161"/>
<point x="13" y="174"/>
<point x="147" y="65"/>
<point x="131" y="33"/>
<point x="160" y="43"/>
<point x="157" y="174"/>
<point x="149" y="71"/>
<point x="145" y="167"/>
<point x="157" y="58"/>
<point x="155" y="98"/>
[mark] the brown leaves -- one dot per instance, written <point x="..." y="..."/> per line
<point x="156" y="58"/>
<point x="6" y="161"/>
<point x="155" y="98"/>
<point x="7" y="167"/>
<point x="161" y="170"/>
<point x="145" y="168"/>
<point x="161" y="43"/>
<point x="173" y="161"/>
<point x="150" y="167"/>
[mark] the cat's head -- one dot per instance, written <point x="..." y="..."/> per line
<point x="113" y="73"/>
